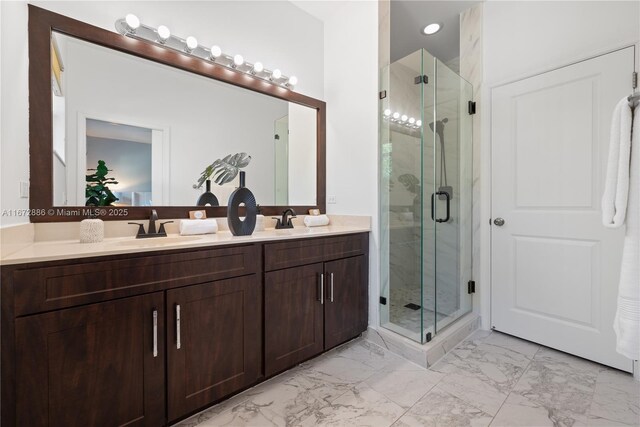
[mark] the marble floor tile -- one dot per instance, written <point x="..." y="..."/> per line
<point x="518" y="411"/>
<point x="616" y="398"/>
<point x="489" y="379"/>
<point x="278" y="403"/>
<point x="527" y="348"/>
<point x="406" y="387"/>
<point x="439" y="408"/>
<point x="481" y="374"/>
<point x="558" y="385"/>
<point x="359" y="406"/>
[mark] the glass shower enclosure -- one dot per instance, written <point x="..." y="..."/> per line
<point x="426" y="196"/>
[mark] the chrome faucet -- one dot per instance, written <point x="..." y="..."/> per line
<point x="151" y="228"/>
<point x="285" y="221"/>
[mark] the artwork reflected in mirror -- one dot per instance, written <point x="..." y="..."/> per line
<point x="157" y="127"/>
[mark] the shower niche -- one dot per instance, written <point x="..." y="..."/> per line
<point x="426" y="196"/>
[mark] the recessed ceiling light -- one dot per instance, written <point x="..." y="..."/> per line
<point x="432" y="28"/>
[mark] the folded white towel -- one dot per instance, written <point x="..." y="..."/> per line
<point x="316" y="220"/>
<point x="198" y="226"/>
<point x="627" y="320"/>
<point x="616" y="186"/>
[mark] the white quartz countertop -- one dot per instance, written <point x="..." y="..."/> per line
<point x="40" y="251"/>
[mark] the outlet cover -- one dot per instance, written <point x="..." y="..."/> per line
<point x="24" y="190"/>
<point x="331" y="200"/>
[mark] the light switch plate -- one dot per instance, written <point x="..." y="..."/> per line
<point x="24" y="190"/>
<point x="331" y="200"/>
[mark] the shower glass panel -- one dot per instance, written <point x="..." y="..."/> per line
<point x="425" y="208"/>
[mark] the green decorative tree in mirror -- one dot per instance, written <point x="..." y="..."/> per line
<point x="97" y="190"/>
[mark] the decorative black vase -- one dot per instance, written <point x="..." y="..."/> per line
<point x="208" y="197"/>
<point x="241" y="195"/>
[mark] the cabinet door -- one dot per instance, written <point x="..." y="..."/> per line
<point x="345" y="310"/>
<point x="92" y="366"/>
<point x="214" y="341"/>
<point x="292" y="316"/>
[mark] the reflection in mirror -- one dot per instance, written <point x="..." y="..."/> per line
<point x="157" y="128"/>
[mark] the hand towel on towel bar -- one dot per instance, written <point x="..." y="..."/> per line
<point x="621" y="201"/>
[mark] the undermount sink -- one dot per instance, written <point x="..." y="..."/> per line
<point x="157" y="241"/>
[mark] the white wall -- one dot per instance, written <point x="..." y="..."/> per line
<point x="274" y="32"/>
<point x="351" y="87"/>
<point x="521" y="39"/>
<point x="14" y="107"/>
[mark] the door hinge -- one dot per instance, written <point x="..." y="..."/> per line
<point x="421" y="79"/>
<point x="472" y="107"/>
<point x="382" y="94"/>
<point x="428" y="337"/>
<point x="634" y="79"/>
<point x="471" y="287"/>
<point x="383" y="300"/>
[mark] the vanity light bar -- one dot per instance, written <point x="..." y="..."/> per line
<point x="401" y="119"/>
<point x="131" y="26"/>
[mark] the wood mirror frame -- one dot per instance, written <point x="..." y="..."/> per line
<point x="41" y="24"/>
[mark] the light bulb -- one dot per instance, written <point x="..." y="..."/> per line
<point x="163" y="33"/>
<point x="404" y="118"/>
<point x="215" y="51"/>
<point x="192" y="43"/>
<point x="432" y="29"/>
<point x="276" y="74"/>
<point x="419" y="123"/>
<point x="258" y="67"/>
<point x="132" y="22"/>
<point x="293" y="80"/>
<point x="238" y="60"/>
<point x="396" y="115"/>
<point x="412" y="120"/>
<point x="387" y="112"/>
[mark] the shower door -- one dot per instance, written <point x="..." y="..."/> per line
<point x="425" y="210"/>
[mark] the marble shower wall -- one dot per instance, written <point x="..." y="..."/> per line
<point x="471" y="70"/>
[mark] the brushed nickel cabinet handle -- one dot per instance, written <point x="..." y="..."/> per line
<point x="331" y="287"/>
<point x="321" y="288"/>
<point x="155" y="333"/>
<point x="178" y="326"/>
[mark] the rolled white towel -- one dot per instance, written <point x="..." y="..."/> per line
<point x="316" y="220"/>
<point x="198" y="226"/>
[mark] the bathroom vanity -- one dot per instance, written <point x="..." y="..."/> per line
<point x="127" y="332"/>
<point x="148" y="338"/>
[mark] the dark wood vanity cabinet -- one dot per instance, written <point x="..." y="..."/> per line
<point x="148" y="339"/>
<point x="345" y="299"/>
<point x="315" y="306"/>
<point x="293" y="317"/>
<point x="97" y="365"/>
<point x="214" y="341"/>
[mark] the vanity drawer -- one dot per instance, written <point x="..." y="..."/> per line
<point x="51" y="288"/>
<point x="309" y="251"/>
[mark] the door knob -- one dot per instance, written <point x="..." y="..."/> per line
<point x="499" y="222"/>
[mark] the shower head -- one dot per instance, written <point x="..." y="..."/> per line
<point x="439" y="128"/>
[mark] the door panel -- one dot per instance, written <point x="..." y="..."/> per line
<point x="293" y="315"/>
<point x="555" y="268"/>
<point x="92" y="365"/>
<point x="220" y="341"/>
<point x="345" y="295"/>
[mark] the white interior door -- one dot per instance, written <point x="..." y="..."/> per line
<point x="555" y="267"/>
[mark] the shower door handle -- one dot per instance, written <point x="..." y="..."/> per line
<point x="448" y="198"/>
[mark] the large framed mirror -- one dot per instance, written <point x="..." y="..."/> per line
<point x="156" y="118"/>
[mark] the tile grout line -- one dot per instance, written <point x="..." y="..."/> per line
<point x="524" y="371"/>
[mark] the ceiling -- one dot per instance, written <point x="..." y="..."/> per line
<point x="408" y="18"/>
